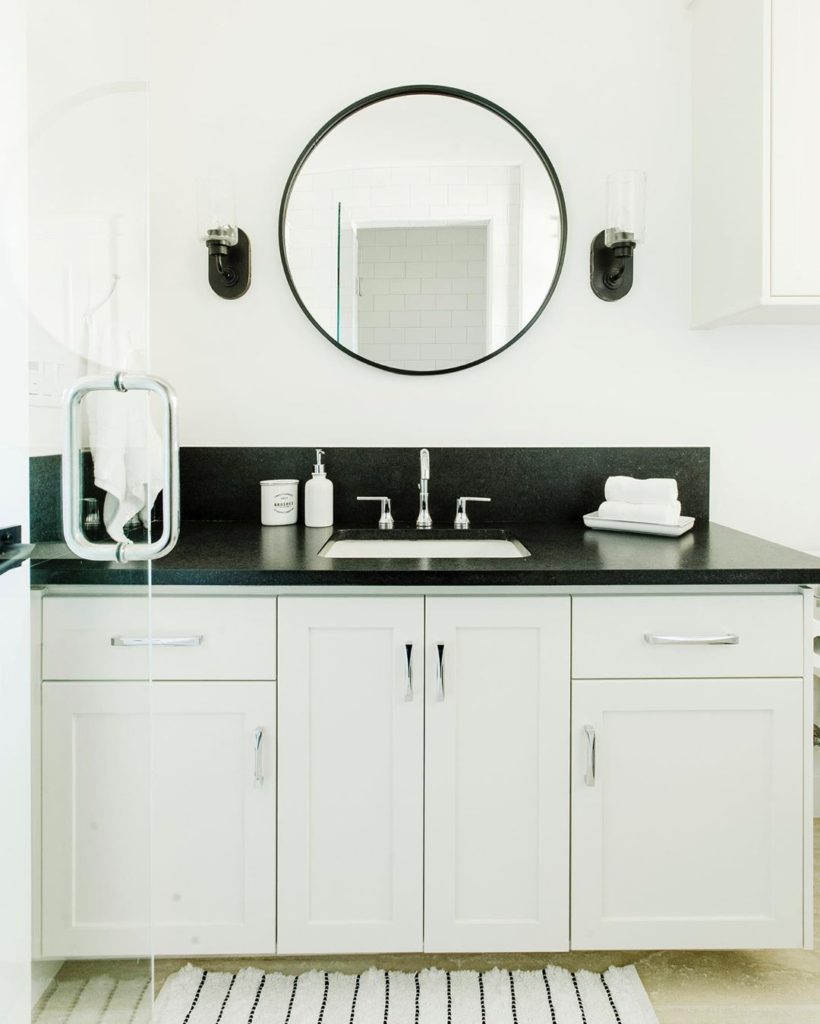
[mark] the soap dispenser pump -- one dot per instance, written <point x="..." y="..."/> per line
<point x="319" y="496"/>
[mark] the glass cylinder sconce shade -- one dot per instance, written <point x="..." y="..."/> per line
<point x="216" y="210"/>
<point x="611" y="255"/>
<point x="625" y="207"/>
<point x="229" y="248"/>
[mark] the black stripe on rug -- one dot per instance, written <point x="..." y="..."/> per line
<point x="512" y="998"/>
<point x="355" y="997"/>
<point x="225" y="1000"/>
<point x="481" y="997"/>
<point x="578" y="997"/>
<point x="418" y="995"/>
<point x="196" y="997"/>
<point x="549" y="995"/>
<point x="292" y="997"/>
<point x="324" y="999"/>
<point x="256" y="999"/>
<point x="611" y="1000"/>
<point x="386" y="996"/>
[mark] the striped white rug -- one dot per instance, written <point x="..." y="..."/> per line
<point x="551" y="996"/>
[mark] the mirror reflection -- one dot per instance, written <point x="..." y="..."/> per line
<point x="423" y="232"/>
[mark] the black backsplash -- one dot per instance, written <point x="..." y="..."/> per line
<point x="526" y="484"/>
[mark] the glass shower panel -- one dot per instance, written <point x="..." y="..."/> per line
<point x="87" y="283"/>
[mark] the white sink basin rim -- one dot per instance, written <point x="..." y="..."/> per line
<point x="424" y="547"/>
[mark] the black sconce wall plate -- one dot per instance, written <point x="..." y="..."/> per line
<point x="229" y="267"/>
<point x="610" y="269"/>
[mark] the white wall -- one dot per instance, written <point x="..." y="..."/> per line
<point x="603" y="86"/>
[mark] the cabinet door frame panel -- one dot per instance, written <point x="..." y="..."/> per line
<point x="591" y="927"/>
<point x="403" y="617"/>
<point x="549" y="617"/>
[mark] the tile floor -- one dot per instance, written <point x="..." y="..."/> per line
<point x="750" y="987"/>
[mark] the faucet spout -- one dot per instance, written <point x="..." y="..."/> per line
<point x="424" y="521"/>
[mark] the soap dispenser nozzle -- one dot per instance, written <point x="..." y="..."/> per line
<point x="318" y="467"/>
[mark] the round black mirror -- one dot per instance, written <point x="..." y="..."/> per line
<point x="423" y="229"/>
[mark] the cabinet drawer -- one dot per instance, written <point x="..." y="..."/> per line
<point x="692" y="635"/>
<point x="186" y="637"/>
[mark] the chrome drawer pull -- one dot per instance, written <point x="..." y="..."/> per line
<point x="589" y="769"/>
<point x="408" y="672"/>
<point x="720" y="638"/>
<point x="258" y="777"/>
<point x="156" y="641"/>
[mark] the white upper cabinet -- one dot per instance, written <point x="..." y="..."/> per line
<point x="756" y="187"/>
<point x="351" y="776"/>
<point x="496" y="764"/>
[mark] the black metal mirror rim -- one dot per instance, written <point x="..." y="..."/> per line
<point x="422" y="90"/>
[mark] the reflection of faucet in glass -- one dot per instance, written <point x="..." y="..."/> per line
<point x="424" y="521"/>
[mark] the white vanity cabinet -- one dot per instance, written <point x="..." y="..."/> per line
<point x="496" y="862"/>
<point x="351" y="774"/>
<point x="756" y="204"/>
<point x="688" y="793"/>
<point x="158" y="837"/>
<point x="386" y="771"/>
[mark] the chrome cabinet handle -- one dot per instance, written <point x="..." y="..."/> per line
<point x="720" y="638"/>
<point x="72" y="471"/>
<point x="408" y="672"/>
<point x="589" y="769"/>
<point x="258" y="777"/>
<point x="440" y="672"/>
<point x="156" y="641"/>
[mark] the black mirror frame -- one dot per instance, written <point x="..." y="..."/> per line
<point x="429" y="90"/>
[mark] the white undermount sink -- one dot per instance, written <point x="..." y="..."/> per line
<point x="423" y="547"/>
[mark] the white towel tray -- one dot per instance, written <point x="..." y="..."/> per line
<point x="594" y="522"/>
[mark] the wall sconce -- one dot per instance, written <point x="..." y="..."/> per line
<point x="229" y="248"/>
<point x="611" y="252"/>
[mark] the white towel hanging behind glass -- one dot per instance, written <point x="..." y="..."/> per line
<point x="125" y="446"/>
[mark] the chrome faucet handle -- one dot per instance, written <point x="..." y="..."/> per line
<point x="461" y="521"/>
<point x="385" y="519"/>
<point x="424" y="455"/>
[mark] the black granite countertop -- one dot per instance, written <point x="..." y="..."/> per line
<point x="241" y="553"/>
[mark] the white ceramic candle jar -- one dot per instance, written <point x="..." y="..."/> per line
<point x="280" y="502"/>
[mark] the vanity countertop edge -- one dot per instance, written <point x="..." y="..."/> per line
<point x="248" y="554"/>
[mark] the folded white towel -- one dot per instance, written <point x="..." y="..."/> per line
<point x="628" y="512"/>
<point x="643" y="492"/>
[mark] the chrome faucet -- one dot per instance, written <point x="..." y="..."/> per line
<point x="424" y="521"/>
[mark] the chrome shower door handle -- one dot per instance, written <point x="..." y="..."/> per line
<point x="589" y="766"/>
<point x="408" y="672"/>
<point x="72" y="471"/>
<point x="439" y="672"/>
<point x="258" y="776"/>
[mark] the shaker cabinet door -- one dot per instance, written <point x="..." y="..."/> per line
<point x="687" y="800"/>
<point x="496" y="774"/>
<point x="351" y="710"/>
<point x="161" y="837"/>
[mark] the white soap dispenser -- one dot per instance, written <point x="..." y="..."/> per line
<point x="319" y="496"/>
